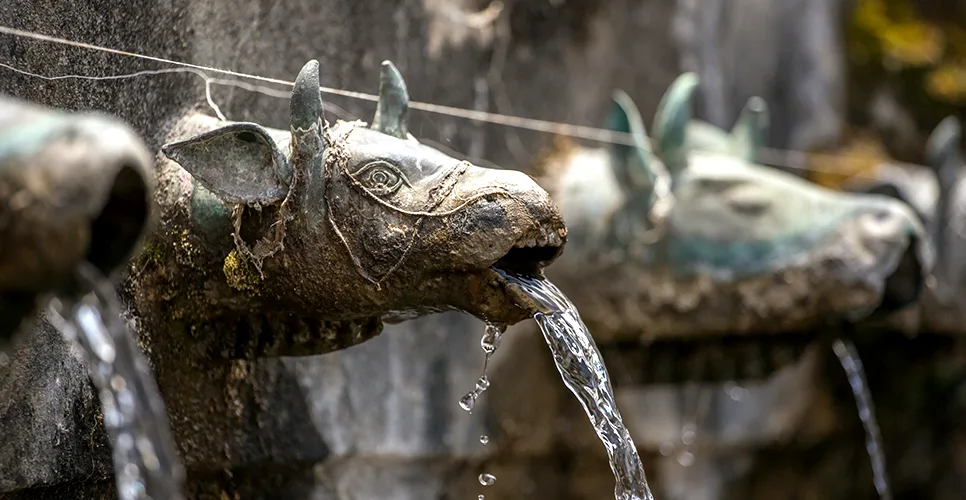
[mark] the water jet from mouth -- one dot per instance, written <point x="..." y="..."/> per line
<point x="146" y="462"/>
<point x="582" y="369"/>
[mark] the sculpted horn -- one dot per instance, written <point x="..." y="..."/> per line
<point x="307" y="112"/>
<point x="671" y="122"/>
<point x="750" y="130"/>
<point x="392" y="112"/>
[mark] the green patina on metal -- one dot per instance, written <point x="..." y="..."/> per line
<point x="208" y="211"/>
<point x="74" y="187"/>
<point x="734" y="216"/>
<point x="30" y="136"/>
<point x="313" y="209"/>
<point x="731" y="217"/>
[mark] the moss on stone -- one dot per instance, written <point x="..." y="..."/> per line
<point x="240" y="273"/>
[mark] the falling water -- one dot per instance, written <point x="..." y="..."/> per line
<point x="849" y="358"/>
<point x="580" y="365"/>
<point x="146" y="464"/>
<point x="490" y="342"/>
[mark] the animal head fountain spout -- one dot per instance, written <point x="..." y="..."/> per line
<point x="73" y="187"/>
<point x="349" y="220"/>
<point x="740" y="219"/>
<point x="936" y="192"/>
<point x="748" y="244"/>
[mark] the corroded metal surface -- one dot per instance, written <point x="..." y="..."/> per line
<point x="73" y="187"/>
<point x="936" y="191"/>
<point x="340" y="222"/>
<point x="744" y="248"/>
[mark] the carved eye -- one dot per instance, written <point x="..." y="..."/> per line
<point x="380" y="177"/>
<point x="749" y="203"/>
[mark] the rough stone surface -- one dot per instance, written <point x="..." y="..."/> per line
<point x="789" y="53"/>
<point x="303" y="426"/>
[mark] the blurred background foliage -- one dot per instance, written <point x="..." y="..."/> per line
<point x="906" y="72"/>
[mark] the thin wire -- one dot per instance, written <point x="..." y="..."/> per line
<point x="208" y="81"/>
<point x="789" y="159"/>
<point x="578" y="131"/>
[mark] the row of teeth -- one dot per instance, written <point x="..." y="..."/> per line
<point x="542" y="239"/>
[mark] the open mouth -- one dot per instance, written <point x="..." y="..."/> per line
<point x="904" y="286"/>
<point x="534" y="250"/>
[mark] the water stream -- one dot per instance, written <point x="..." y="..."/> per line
<point x="849" y="358"/>
<point x="580" y="365"/>
<point x="146" y="463"/>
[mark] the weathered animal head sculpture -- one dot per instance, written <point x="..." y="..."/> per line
<point x="744" y="247"/>
<point x="348" y="221"/>
<point x="73" y="187"/>
<point x="938" y="193"/>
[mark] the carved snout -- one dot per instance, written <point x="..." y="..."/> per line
<point x="512" y="223"/>
<point x="73" y="187"/>
<point x="891" y="235"/>
<point x="507" y="222"/>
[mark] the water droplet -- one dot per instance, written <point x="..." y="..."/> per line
<point x="467" y="401"/>
<point x="484" y="439"/>
<point x="667" y="448"/>
<point x="482" y="384"/>
<point x="688" y="433"/>
<point x="479" y="497"/>
<point x="487" y="479"/>
<point x="686" y="459"/>
<point x="491" y="338"/>
<point x="118" y="383"/>
<point x="735" y="391"/>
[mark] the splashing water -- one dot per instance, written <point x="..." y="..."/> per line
<point x="146" y="463"/>
<point x="849" y="359"/>
<point x="580" y="365"/>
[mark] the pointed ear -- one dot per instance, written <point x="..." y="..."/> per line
<point x="392" y="112"/>
<point x="239" y="163"/>
<point x="306" y="112"/>
<point x="748" y="134"/>
<point x="631" y="163"/>
<point x="942" y="147"/>
<point x="671" y="122"/>
<point x="634" y="166"/>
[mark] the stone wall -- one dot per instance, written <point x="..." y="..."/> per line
<point x="381" y="420"/>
